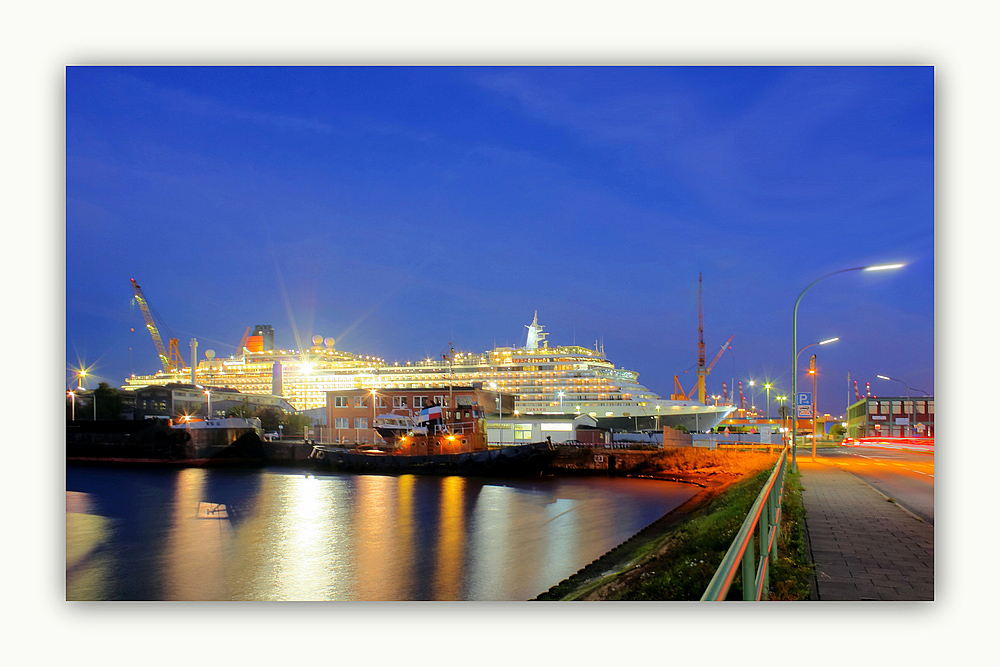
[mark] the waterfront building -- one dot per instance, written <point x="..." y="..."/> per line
<point x="565" y="379"/>
<point x="177" y="399"/>
<point x="519" y="429"/>
<point x="891" y="416"/>
<point x="350" y="412"/>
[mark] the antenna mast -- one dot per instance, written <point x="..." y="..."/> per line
<point x="702" y="372"/>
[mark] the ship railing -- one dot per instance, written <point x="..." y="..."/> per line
<point x="765" y="517"/>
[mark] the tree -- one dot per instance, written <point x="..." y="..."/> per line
<point x="837" y="431"/>
<point x="296" y="423"/>
<point x="269" y="418"/>
<point x="109" y="402"/>
<point x="241" y="410"/>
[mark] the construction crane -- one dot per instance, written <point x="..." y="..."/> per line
<point x="172" y="360"/>
<point x="679" y="393"/>
<point x="703" y="369"/>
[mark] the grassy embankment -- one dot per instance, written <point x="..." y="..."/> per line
<point x="675" y="558"/>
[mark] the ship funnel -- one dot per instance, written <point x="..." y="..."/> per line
<point x="535" y="334"/>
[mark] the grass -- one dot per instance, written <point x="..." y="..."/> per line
<point x="696" y="548"/>
<point x="677" y="564"/>
<point x="686" y="460"/>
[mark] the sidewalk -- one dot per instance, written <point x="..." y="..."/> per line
<point x="864" y="547"/>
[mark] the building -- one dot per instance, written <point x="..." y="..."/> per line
<point x="891" y="417"/>
<point x="350" y="413"/>
<point x="522" y="429"/>
<point x="177" y="399"/>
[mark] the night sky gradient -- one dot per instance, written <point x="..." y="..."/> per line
<point x="400" y="208"/>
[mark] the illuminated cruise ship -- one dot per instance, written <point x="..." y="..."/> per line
<point x="566" y="379"/>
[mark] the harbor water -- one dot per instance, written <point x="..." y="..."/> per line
<point x="288" y="534"/>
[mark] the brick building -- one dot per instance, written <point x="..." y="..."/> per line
<point x="350" y="413"/>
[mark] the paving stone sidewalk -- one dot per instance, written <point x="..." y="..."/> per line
<point x="864" y="547"/>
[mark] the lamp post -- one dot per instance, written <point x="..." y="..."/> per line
<point x="561" y="394"/>
<point x="658" y="418"/>
<point x="909" y="398"/>
<point x="812" y="371"/>
<point x="72" y="395"/>
<point x="795" y="332"/>
<point x="373" y="416"/>
<point x="767" y="386"/>
<point x="753" y="398"/>
<point x="208" y="407"/>
<point x="493" y="385"/>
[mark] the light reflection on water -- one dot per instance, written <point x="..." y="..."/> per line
<point x="281" y="534"/>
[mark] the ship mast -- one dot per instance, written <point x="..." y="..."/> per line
<point x="702" y="371"/>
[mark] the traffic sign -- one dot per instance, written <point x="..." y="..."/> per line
<point x="804" y="398"/>
<point x="805" y="411"/>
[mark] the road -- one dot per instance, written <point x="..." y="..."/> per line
<point x="906" y="477"/>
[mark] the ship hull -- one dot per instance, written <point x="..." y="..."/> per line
<point x="520" y="460"/>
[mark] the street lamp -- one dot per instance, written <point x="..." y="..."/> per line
<point x="768" y="387"/>
<point x="812" y="371"/>
<point x="753" y="398"/>
<point x="493" y="385"/>
<point x="373" y="416"/>
<point x="795" y="330"/>
<point x="657" y="417"/>
<point x="909" y="398"/>
<point x="561" y="394"/>
<point x="208" y="408"/>
<point x="73" y="402"/>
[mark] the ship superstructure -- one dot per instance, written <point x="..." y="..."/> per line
<point x="565" y="379"/>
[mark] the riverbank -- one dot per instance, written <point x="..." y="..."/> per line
<point x="676" y="556"/>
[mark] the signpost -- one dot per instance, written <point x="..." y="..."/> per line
<point x="803" y="404"/>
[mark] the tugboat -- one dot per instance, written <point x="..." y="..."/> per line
<point x="459" y="448"/>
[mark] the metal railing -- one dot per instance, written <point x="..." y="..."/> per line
<point x="765" y="516"/>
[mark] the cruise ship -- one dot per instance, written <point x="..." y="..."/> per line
<point x="565" y="379"/>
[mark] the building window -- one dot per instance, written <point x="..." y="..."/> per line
<point x="399" y="401"/>
<point x="921" y="407"/>
<point x="340" y="401"/>
<point x="381" y="401"/>
<point x="930" y="407"/>
<point x="442" y="400"/>
<point x="419" y="401"/>
<point x="340" y="422"/>
<point x="884" y="407"/>
<point x="873" y="407"/>
<point x="522" y="431"/>
<point x="361" y="422"/>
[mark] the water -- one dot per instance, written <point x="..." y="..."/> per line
<point x="284" y="534"/>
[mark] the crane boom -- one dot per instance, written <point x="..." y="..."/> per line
<point x="151" y="326"/>
<point x="708" y="369"/>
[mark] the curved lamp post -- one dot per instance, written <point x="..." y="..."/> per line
<point x="795" y="338"/>
<point x="822" y="342"/>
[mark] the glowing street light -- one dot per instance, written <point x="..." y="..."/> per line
<point x="795" y="331"/>
<point x="208" y="407"/>
<point x="767" y="386"/>
<point x="561" y="394"/>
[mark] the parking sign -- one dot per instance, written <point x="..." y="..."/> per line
<point x="804" y="398"/>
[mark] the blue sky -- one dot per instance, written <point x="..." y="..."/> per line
<point x="400" y="208"/>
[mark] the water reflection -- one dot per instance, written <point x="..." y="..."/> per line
<point x="277" y="534"/>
